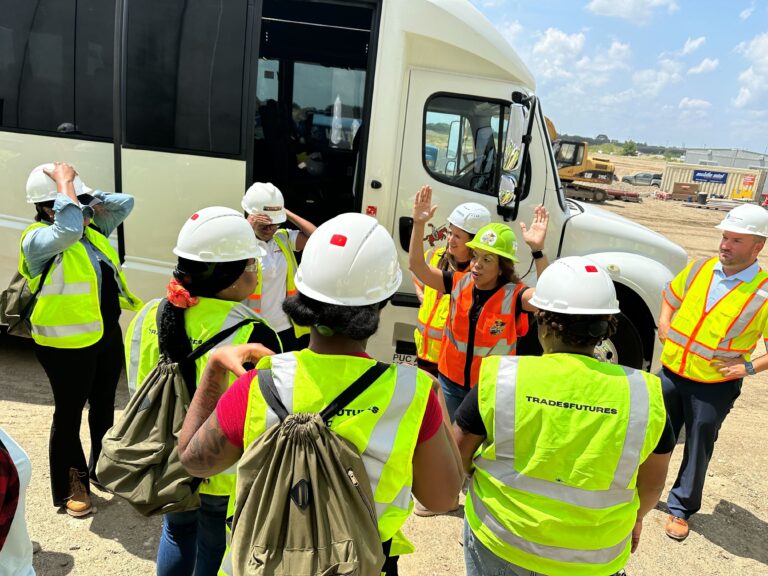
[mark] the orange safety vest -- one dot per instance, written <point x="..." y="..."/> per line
<point x="730" y="329"/>
<point x="496" y="333"/>
<point x="433" y="313"/>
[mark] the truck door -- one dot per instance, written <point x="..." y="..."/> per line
<point x="180" y="111"/>
<point x="451" y="141"/>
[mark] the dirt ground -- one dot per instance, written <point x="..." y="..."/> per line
<point x="728" y="536"/>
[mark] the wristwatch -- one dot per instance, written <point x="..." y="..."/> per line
<point x="749" y="368"/>
<point x="537" y="254"/>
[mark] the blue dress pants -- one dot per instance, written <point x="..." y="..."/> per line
<point x="702" y="408"/>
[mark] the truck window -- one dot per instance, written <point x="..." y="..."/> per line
<point x="56" y="66"/>
<point x="184" y="75"/>
<point x="461" y="139"/>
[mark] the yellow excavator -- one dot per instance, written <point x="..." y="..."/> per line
<point x="577" y="169"/>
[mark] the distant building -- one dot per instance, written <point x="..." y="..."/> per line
<point x="730" y="158"/>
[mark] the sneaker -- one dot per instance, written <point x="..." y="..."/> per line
<point x="420" y="510"/>
<point x="676" y="528"/>
<point x="79" y="502"/>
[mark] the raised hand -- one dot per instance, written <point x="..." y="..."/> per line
<point x="423" y="209"/>
<point x="62" y="173"/>
<point x="537" y="233"/>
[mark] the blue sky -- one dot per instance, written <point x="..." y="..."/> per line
<point x="667" y="72"/>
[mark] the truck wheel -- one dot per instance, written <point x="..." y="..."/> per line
<point x="625" y="348"/>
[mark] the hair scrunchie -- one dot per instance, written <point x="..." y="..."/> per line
<point x="179" y="296"/>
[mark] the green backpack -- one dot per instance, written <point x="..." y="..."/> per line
<point x="139" y="458"/>
<point x="304" y="503"/>
<point x="17" y="303"/>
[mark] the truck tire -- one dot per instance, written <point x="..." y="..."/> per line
<point x="625" y="347"/>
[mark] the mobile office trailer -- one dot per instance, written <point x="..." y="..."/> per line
<point x="346" y="106"/>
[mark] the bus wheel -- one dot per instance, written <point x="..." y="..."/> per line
<point x="625" y="347"/>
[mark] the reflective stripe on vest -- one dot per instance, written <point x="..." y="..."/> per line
<point x="432" y="316"/>
<point x="599" y="556"/>
<point x="504" y="438"/>
<point x="554" y="489"/>
<point x="728" y="330"/>
<point x="382" y="438"/>
<point x="454" y="351"/>
<point x="201" y="322"/>
<point x="67" y="313"/>
<point x="392" y="438"/>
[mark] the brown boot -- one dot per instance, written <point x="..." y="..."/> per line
<point x="676" y="528"/>
<point x="79" y="502"/>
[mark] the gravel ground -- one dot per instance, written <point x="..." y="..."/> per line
<point x="728" y="536"/>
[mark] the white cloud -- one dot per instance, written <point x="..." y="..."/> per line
<point x="634" y="10"/>
<point x="747" y="12"/>
<point x="753" y="80"/>
<point x="510" y="31"/>
<point x="596" y="70"/>
<point x="651" y="81"/>
<point x="706" y="65"/>
<point x="691" y="45"/>
<point x="694" y="104"/>
<point x="555" y="52"/>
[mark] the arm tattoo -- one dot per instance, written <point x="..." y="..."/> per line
<point x="206" y="453"/>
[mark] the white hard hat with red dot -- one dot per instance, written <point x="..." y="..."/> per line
<point x="575" y="285"/>
<point x="350" y="260"/>
<point x="218" y="234"/>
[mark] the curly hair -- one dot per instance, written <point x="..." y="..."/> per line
<point x="354" y="322"/>
<point x="579" y="330"/>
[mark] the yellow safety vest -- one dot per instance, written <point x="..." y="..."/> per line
<point x="254" y="300"/>
<point x="730" y="329"/>
<point x="554" y="485"/>
<point x="67" y="313"/>
<point x="383" y="423"/>
<point x="432" y="315"/>
<point x="201" y="322"/>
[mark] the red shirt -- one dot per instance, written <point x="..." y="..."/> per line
<point x="232" y="407"/>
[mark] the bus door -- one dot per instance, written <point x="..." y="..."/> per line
<point x="314" y="79"/>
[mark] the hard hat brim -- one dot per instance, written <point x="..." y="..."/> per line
<point x="474" y="244"/>
<point x="308" y="291"/>
<point x="738" y="230"/>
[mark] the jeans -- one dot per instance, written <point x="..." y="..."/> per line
<point x="454" y="395"/>
<point x="193" y="542"/>
<point x="480" y="561"/>
<point x="702" y="408"/>
<point x="77" y="376"/>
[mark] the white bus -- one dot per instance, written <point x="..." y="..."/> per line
<point x="344" y="105"/>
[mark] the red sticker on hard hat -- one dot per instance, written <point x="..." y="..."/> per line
<point x="371" y="210"/>
<point x="590" y="268"/>
<point x="338" y="240"/>
<point x="194" y="216"/>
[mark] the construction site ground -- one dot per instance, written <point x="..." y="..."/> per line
<point x="729" y="535"/>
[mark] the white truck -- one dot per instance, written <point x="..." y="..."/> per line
<point x="344" y="105"/>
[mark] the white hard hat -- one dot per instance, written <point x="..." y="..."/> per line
<point x="42" y="188"/>
<point x="470" y="217"/>
<point x="218" y="234"/>
<point x="350" y="260"/>
<point x="265" y="198"/>
<point x="575" y="285"/>
<point x="746" y="219"/>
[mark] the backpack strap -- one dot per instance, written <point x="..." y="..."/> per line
<point x="272" y="398"/>
<point x="214" y="341"/>
<point x="33" y="299"/>
<point x="354" y="390"/>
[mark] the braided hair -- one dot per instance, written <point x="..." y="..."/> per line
<point x="579" y="330"/>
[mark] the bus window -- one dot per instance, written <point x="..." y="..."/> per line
<point x="56" y="66"/>
<point x="184" y="75"/>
